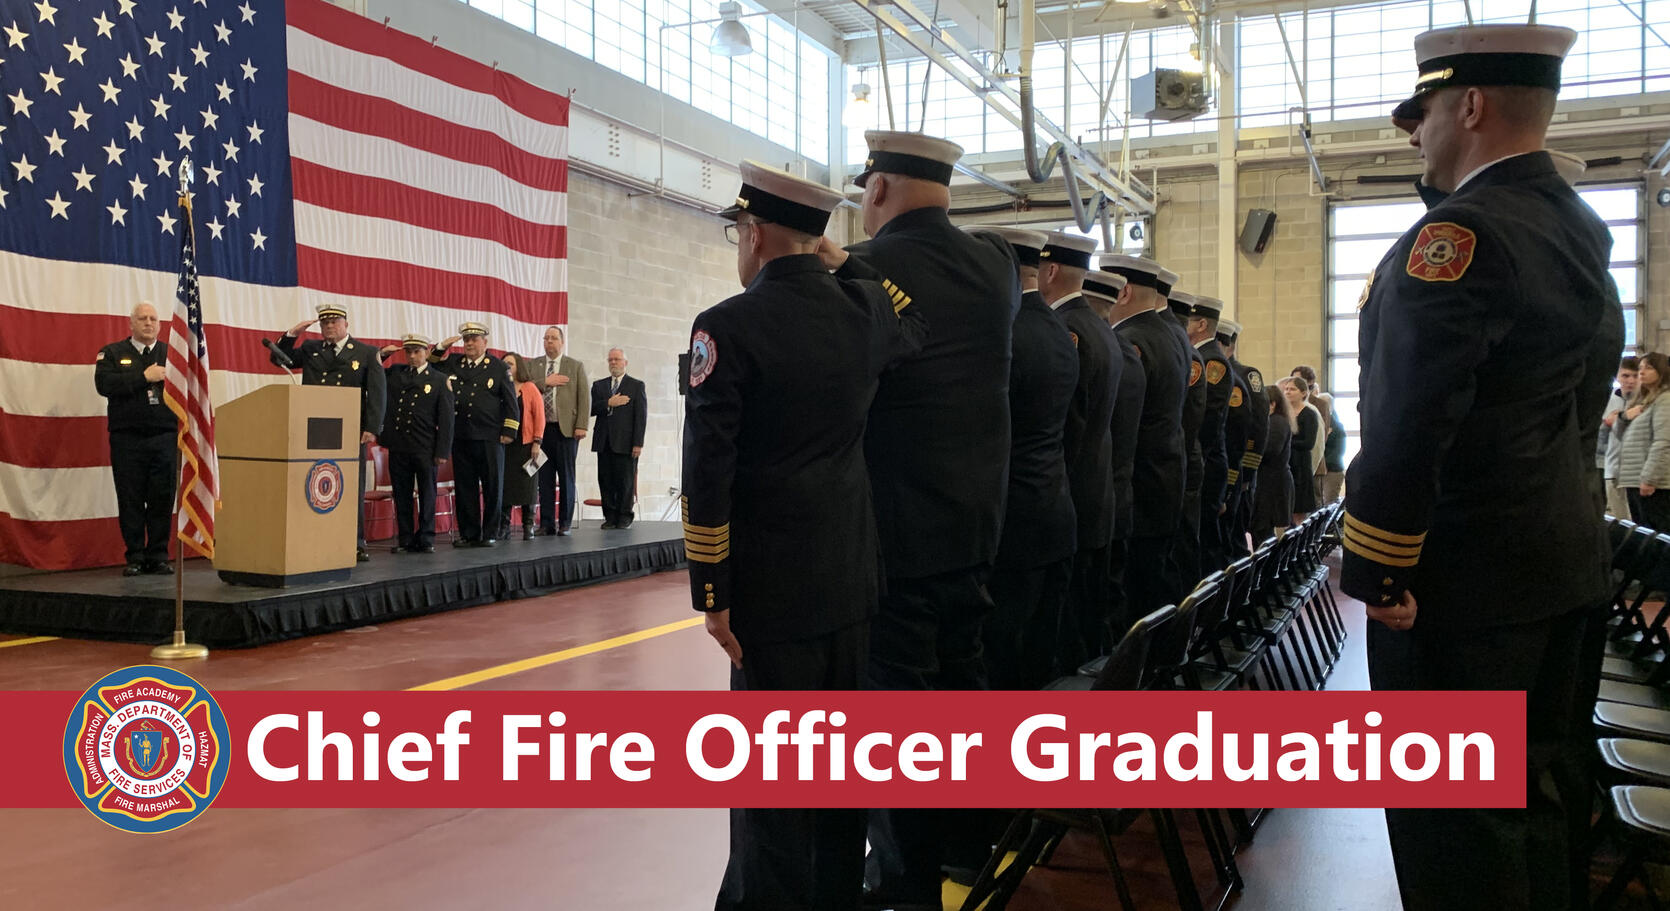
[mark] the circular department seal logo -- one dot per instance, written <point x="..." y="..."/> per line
<point x="324" y="486"/>
<point x="704" y="355"/>
<point x="145" y="749"/>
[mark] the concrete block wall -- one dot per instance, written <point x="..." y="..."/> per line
<point x="640" y="269"/>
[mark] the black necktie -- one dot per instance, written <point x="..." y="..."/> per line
<point x="330" y="347"/>
<point x="146" y="352"/>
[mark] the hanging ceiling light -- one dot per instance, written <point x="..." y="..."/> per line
<point x="730" y="39"/>
<point x="861" y="111"/>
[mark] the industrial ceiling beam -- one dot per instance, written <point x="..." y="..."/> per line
<point x="936" y="43"/>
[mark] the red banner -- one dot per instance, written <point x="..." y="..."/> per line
<point x="868" y="749"/>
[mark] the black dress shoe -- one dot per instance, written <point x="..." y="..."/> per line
<point x="626" y="524"/>
<point x="487" y="542"/>
<point x="565" y="533"/>
<point x="132" y="569"/>
<point x="401" y="549"/>
<point x="361" y="555"/>
<point x="426" y="549"/>
<point x="546" y="532"/>
<point x="160" y="569"/>
<point x="610" y="525"/>
<point x="462" y="542"/>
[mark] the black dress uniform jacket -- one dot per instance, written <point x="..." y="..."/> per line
<point x="420" y="414"/>
<point x="1220" y="388"/>
<point x="1194" y="408"/>
<point x="1160" y="459"/>
<point x="119" y="376"/>
<point x="1238" y="432"/>
<point x="1258" y="425"/>
<point x="1089" y="433"/>
<point x="1125" y="429"/>
<point x="778" y="524"/>
<point x="1039" y="525"/>
<point x="938" y="440"/>
<point x="485" y="402"/>
<point x="353" y="363"/>
<point x="1483" y="350"/>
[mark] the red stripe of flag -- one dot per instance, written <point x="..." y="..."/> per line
<point x="376" y="197"/>
<point x="36" y="442"/>
<point x="355" y="32"/>
<point x="385" y="119"/>
<point x="361" y="276"/>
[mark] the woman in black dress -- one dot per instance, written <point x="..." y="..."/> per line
<point x="1273" y="500"/>
<point x="1306" y="422"/>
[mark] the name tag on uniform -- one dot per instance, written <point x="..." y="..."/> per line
<point x="126" y="361"/>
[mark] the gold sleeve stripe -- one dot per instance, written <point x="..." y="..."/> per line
<point x="1369" y="548"/>
<point x="512" y="424"/>
<point x="696" y="537"/>
<point x="1364" y="528"/>
<point x="1396" y="550"/>
<point x="901" y="305"/>
<point x="1352" y="544"/>
<point x="1234" y="475"/>
<point x="719" y="557"/>
<point x="695" y="547"/>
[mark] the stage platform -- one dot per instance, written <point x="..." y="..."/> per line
<point x="104" y="604"/>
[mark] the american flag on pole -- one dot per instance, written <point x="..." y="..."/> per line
<point x="337" y="160"/>
<point x="186" y="392"/>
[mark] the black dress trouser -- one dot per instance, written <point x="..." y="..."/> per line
<point x="478" y="473"/>
<point x="413" y="474"/>
<point x="1536" y="857"/>
<point x="556" y="477"/>
<point x="797" y="859"/>
<point x="143" y="467"/>
<point x="617" y="475"/>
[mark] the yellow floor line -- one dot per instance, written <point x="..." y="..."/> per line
<point x="528" y="664"/>
<point x="34" y="639"/>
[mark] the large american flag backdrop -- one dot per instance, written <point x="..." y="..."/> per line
<point x="336" y="160"/>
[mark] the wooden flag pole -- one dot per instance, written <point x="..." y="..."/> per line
<point x="180" y="649"/>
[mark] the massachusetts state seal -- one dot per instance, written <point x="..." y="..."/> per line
<point x="145" y="749"/>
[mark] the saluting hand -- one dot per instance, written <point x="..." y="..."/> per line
<point x="300" y="327"/>
<point x="832" y="255"/>
<point x="719" y="627"/>
<point x="448" y="342"/>
<point x="1399" y="616"/>
<point x="387" y="350"/>
<point x="155" y="373"/>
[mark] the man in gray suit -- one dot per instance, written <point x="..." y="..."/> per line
<point x="562" y="379"/>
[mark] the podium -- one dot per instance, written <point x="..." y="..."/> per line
<point x="289" y="482"/>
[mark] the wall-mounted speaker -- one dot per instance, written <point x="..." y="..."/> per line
<point x="1255" y="234"/>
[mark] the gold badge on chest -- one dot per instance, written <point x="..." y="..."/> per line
<point x="489" y="382"/>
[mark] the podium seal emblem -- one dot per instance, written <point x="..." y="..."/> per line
<point x="145" y="749"/>
<point x="324" y="486"/>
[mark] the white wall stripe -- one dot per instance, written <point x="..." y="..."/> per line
<point x="56" y="494"/>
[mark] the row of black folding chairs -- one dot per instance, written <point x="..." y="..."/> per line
<point x="1632" y="713"/>
<point x="1267" y="621"/>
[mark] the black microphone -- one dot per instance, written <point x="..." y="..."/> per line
<point x="278" y="355"/>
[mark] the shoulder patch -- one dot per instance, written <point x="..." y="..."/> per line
<point x="1194" y="372"/>
<point x="704" y="354"/>
<point x="1075" y="336"/>
<point x="1215" y="371"/>
<point x="1255" y="380"/>
<point x="1363" y="300"/>
<point x="1235" y="397"/>
<point x="1442" y="252"/>
<point x="100" y="357"/>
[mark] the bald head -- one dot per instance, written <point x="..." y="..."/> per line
<point x="887" y="196"/>
<point x="143" y="323"/>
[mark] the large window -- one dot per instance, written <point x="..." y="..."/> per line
<point x="1359" y="234"/>
<point x="780" y="91"/>
<point x="1357" y="61"/>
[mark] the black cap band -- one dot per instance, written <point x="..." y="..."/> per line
<point x="777" y="210"/>
<point x="908" y="166"/>
<point x="1178" y="307"/>
<point x="1137" y="277"/>
<point x="1539" y="71"/>
<point x="1065" y="256"/>
<point x="1026" y="256"/>
<point x="1163" y="287"/>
